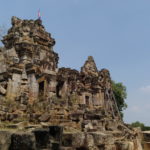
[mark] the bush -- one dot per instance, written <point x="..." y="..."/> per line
<point x="141" y="125"/>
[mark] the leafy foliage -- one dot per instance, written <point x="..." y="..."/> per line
<point x="120" y="94"/>
<point x="141" y="125"/>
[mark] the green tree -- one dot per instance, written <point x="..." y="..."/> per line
<point x="141" y="125"/>
<point x="120" y="94"/>
<point x="138" y="124"/>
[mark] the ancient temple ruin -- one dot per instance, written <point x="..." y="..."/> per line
<point x="80" y="105"/>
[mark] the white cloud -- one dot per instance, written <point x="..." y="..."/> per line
<point x="145" y="89"/>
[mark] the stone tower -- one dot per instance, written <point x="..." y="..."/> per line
<point x="28" y="56"/>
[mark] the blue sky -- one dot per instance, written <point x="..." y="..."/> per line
<point x="115" y="32"/>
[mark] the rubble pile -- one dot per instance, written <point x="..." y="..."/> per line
<point x="79" y="104"/>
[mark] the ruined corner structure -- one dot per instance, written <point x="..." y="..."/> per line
<point x="146" y="140"/>
<point x="34" y="89"/>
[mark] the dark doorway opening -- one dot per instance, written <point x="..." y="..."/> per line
<point x="101" y="147"/>
<point x="41" y="89"/>
<point x="87" y="100"/>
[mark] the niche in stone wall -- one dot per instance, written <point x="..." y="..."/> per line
<point x="87" y="100"/>
<point x="59" y="88"/>
<point x="41" y="89"/>
<point x="101" y="147"/>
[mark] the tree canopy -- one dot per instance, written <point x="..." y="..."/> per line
<point x="120" y="94"/>
<point x="141" y="125"/>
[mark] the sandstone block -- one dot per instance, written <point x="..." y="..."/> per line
<point x="22" y="141"/>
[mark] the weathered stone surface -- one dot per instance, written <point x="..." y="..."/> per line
<point x="102" y="138"/>
<point x="5" y="140"/>
<point x="125" y="145"/>
<point x="45" y="117"/>
<point x="22" y="141"/>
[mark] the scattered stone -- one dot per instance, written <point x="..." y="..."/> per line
<point x="22" y="141"/>
<point x="44" y="118"/>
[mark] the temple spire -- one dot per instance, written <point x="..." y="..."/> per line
<point x="89" y="67"/>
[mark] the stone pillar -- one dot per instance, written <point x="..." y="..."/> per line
<point x="13" y="87"/>
<point x="51" y="89"/>
<point x="33" y="88"/>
